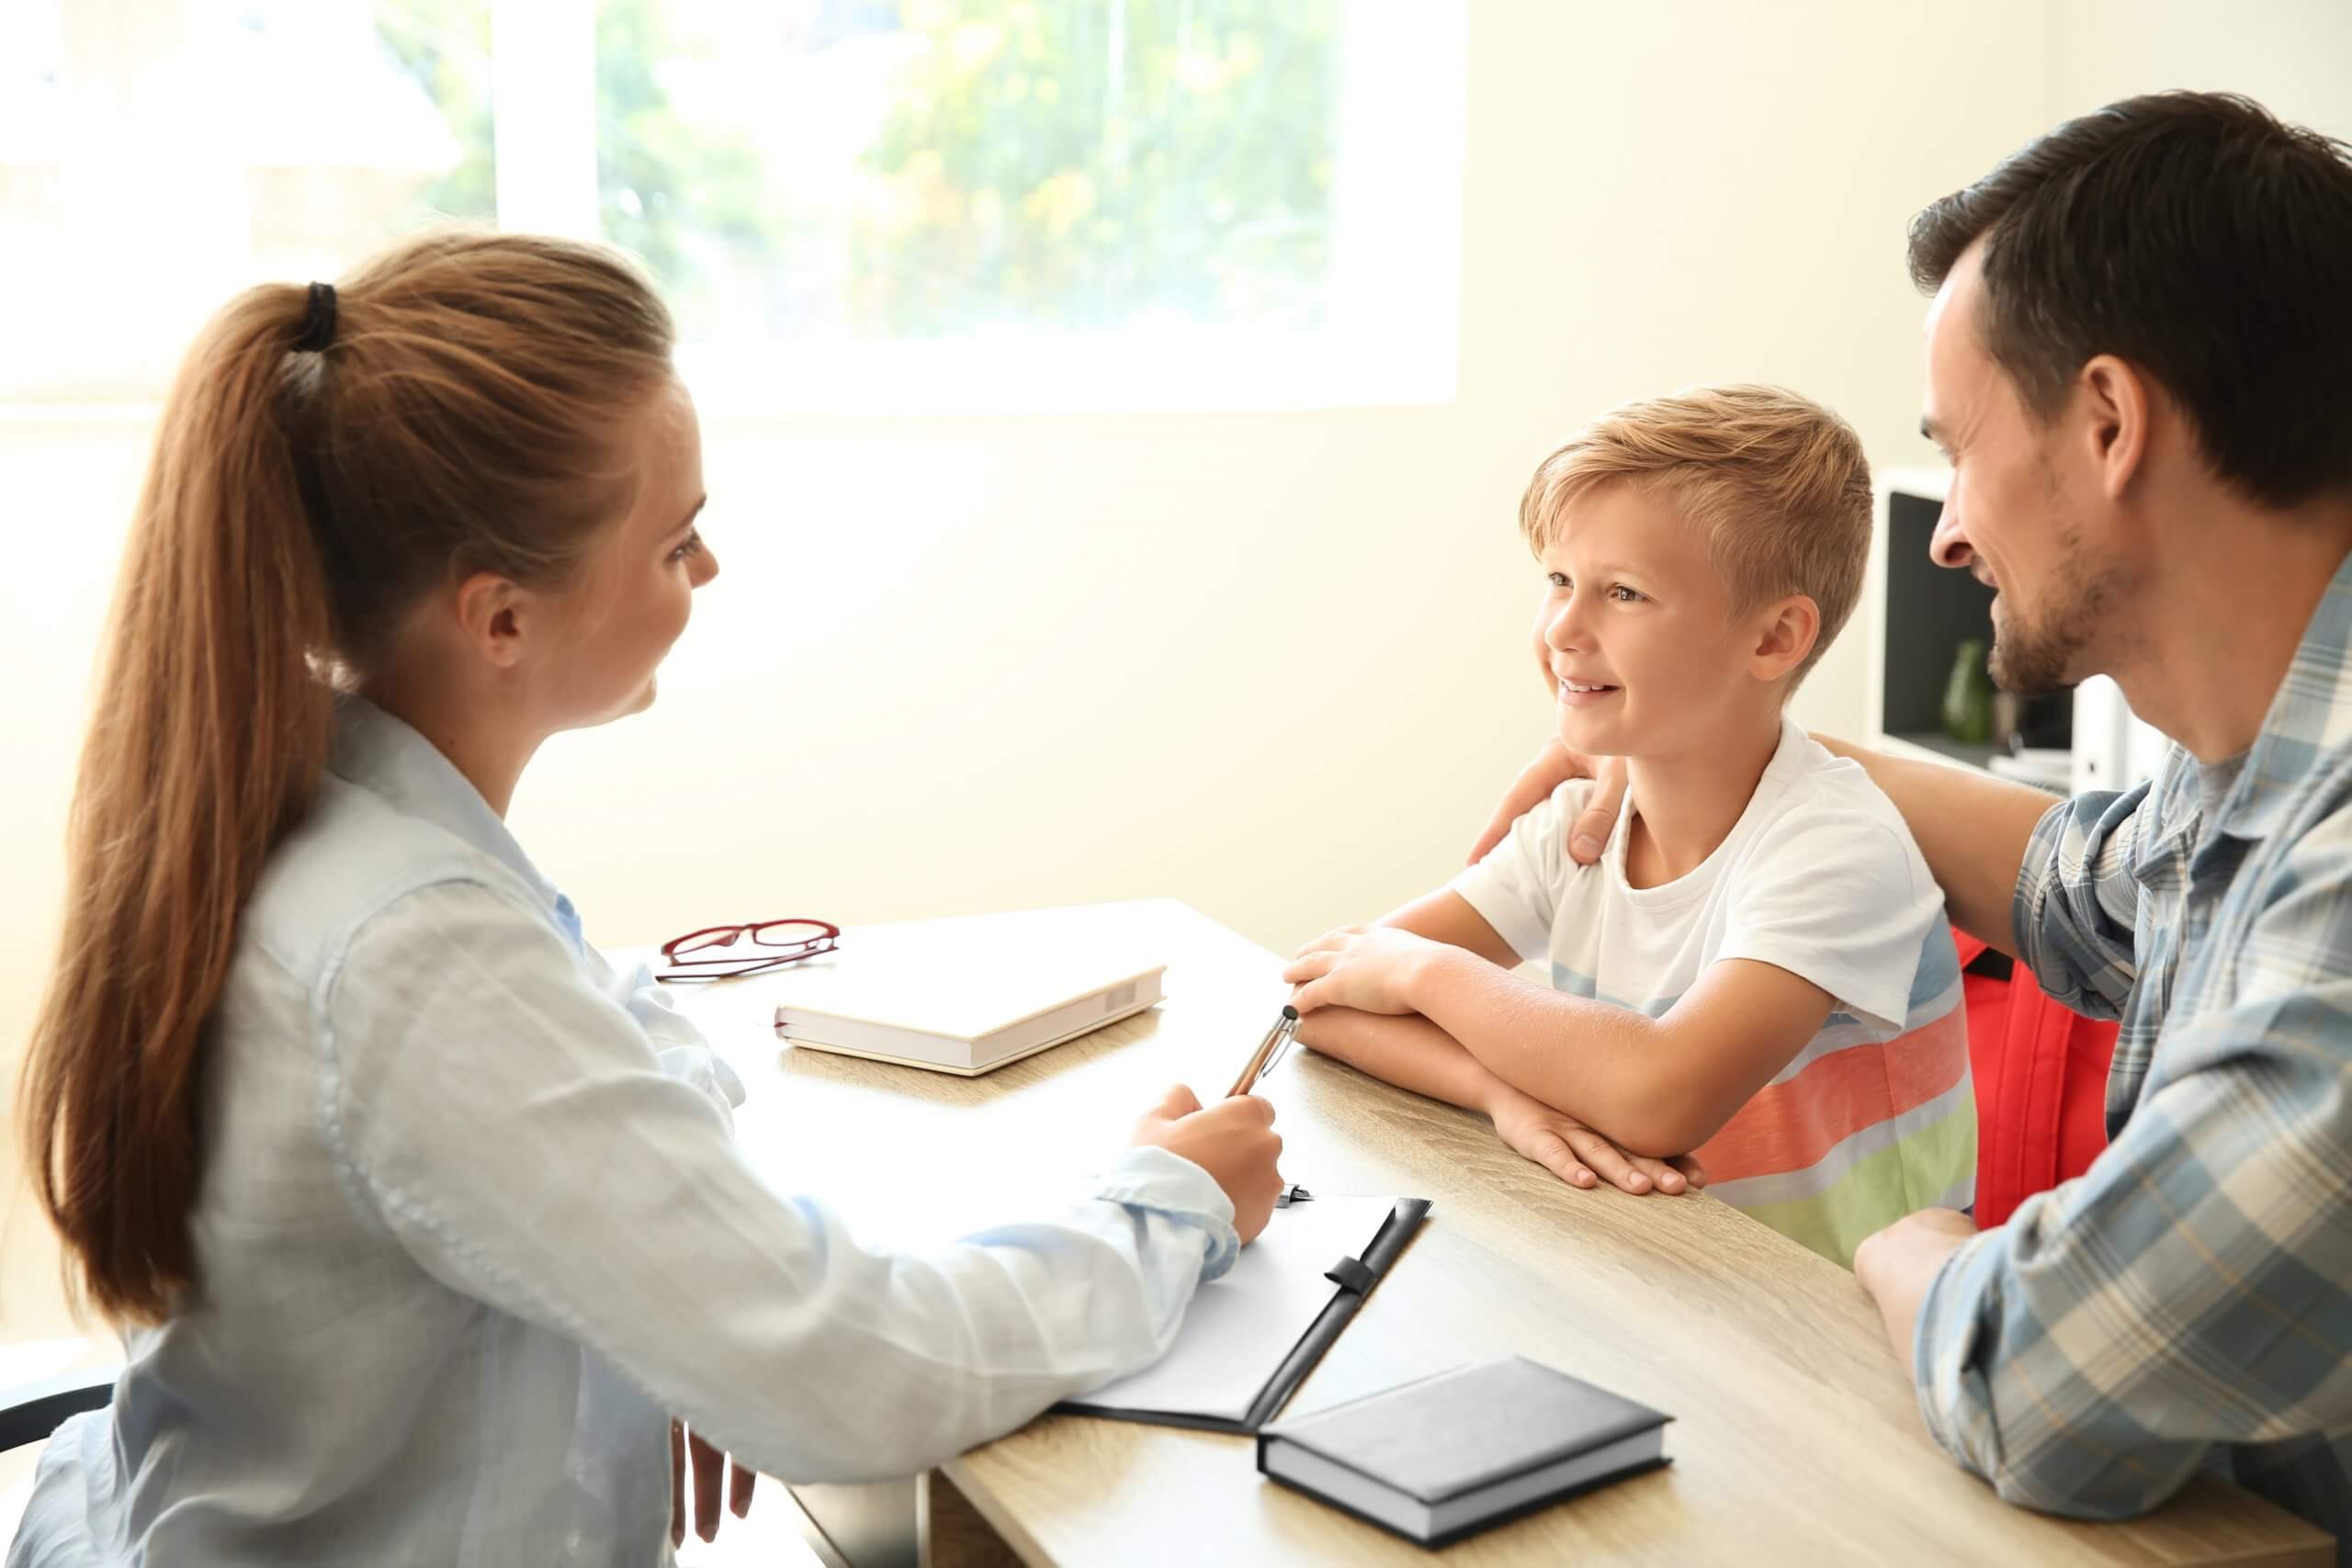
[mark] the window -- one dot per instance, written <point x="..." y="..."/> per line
<point x="172" y="152"/>
<point x="853" y="205"/>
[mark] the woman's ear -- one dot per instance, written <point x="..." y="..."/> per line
<point x="1785" y="632"/>
<point x="491" y="612"/>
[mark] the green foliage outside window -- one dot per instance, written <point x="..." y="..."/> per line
<point x="1059" y="166"/>
<point x="445" y="44"/>
<point x="1072" y="166"/>
<point x="687" y="199"/>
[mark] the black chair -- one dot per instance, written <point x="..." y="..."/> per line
<point x="30" y="1411"/>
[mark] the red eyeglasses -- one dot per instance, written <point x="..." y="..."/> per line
<point x="768" y="945"/>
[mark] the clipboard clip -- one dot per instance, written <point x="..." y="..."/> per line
<point x="1293" y="1193"/>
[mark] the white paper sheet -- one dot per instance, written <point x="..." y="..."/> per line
<point x="1241" y="1327"/>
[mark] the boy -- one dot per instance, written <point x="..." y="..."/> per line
<point x="1758" y="972"/>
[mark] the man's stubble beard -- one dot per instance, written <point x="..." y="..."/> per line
<point x="2042" y="654"/>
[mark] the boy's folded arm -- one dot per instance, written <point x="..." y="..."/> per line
<point x="1446" y="916"/>
<point x="1661" y="1086"/>
<point x="1413" y="1054"/>
<point x="1409" y="1051"/>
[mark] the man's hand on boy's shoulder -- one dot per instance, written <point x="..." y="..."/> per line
<point x="1369" y="968"/>
<point x="1554" y="766"/>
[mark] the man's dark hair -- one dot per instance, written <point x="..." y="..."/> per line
<point x="2196" y="236"/>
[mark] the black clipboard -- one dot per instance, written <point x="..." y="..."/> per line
<point x="1353" y="1279"/>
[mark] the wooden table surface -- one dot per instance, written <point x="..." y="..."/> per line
<point x="1796" y="1439"/>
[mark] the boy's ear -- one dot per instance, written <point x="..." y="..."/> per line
<point x="1785" y="632"/>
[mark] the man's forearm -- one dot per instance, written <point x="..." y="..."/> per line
<point x="1410" y="1051"/>
<point x="1972" y="829"/>
<point x="1896" y="1265"/>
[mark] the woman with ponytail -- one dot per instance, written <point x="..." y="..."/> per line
<point x="421" y="1222"/>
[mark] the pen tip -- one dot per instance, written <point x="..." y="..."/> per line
<point x="1289" y="1012"/>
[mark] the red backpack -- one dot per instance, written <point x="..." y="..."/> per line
<point x="2040" y="1072"/>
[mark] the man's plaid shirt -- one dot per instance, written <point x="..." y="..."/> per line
<point x="2188" y="1302"/>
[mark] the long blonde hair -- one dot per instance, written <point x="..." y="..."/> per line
<point x="464" y="416"/>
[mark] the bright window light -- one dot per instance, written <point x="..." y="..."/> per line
<point x="853" y="206"/>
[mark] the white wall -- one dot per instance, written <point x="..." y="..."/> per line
<point x="1277" y="665"/>
<point x="2293" y="56"/>
<point x="1273" y="665"/>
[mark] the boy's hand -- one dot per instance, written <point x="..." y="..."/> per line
<point x="1579" y="1157"/>
<point x="1369" y="968"/>
<point x="1554" y="766"/>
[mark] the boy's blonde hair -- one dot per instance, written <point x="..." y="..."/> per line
<point x="1777" y="482"/>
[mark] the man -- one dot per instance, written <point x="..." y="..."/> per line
<point x="2136" y="355"/>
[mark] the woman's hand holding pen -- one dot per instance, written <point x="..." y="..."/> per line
<point x="1233" y="1140"/>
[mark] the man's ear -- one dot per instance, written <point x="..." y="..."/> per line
<point x="2116" y="403"/>
<point x="1785" y="632"/>
<point x="493" y="613"/>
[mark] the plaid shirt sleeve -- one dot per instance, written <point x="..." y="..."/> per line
<point x="2195" y="1286"/>
<point x="2077" y="899"/>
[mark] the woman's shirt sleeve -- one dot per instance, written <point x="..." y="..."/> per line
<point x="515" y="1129"/>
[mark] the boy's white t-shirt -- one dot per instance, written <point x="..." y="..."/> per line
<point x="1819" y="877"/>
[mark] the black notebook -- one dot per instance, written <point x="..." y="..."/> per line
<point x="1451" y="1455"/>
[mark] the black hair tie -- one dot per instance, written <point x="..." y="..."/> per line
<point x="317" y="321"/>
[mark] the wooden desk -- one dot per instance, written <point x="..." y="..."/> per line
<point x="1797" y="1439"/>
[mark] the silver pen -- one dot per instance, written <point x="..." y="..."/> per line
<point x="1270" y="1051"/>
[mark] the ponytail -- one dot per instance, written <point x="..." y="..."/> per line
<point x="297" y="502"/>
